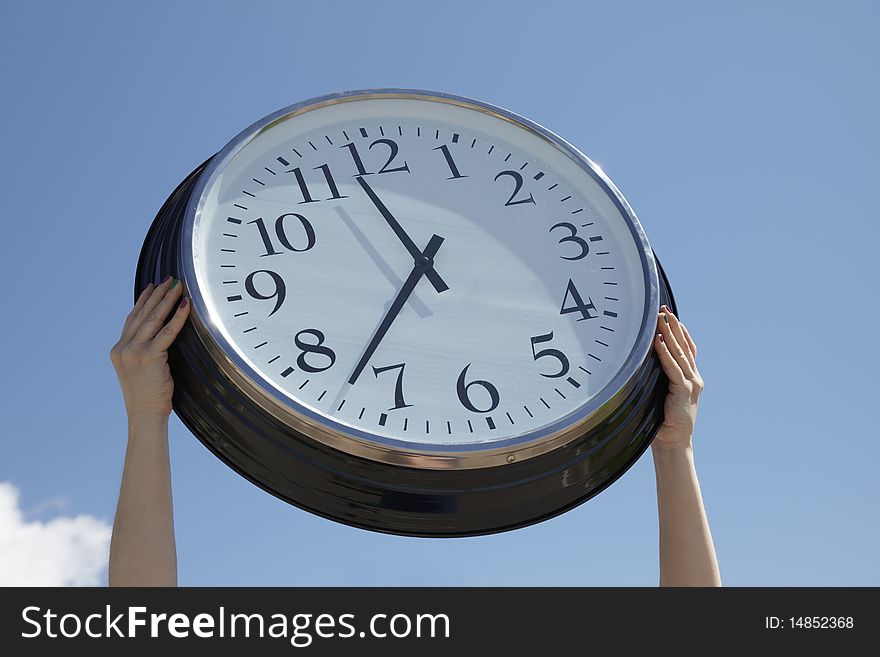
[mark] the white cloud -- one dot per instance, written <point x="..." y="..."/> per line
<point x="60" y="552"/>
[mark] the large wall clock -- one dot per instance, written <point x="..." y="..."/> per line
<point x="413" y="312"/>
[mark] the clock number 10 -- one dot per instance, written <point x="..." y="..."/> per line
<point x="282" y="235"/>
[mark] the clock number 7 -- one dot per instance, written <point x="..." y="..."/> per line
<point x="398" y="387"/>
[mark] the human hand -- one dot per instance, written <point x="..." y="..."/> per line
<point x="140" y="358"/>
<point x="677" y="353"/>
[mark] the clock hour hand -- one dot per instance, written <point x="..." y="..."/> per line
<point x="438" y="283"/>
<point x="424" y="262"/>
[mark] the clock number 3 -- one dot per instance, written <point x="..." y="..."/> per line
<point x="585" y="248"/>
<point x="281" y="234"/>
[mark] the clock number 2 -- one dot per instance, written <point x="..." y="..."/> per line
<point x="463" y="390"/>
<point x="518" y="182"/>
<point x="282" y="235"/>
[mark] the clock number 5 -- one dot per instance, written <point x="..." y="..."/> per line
<point x="554" y="353"/>
<point x="282" y="235"/>
<point x="518" y="182"/>
<point x="464" y="393"/>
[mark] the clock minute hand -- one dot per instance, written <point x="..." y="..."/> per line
<point x="424" y="263"/>
<point x="438" y="283"/>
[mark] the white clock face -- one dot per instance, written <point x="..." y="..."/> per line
<point x="411" y="270"/>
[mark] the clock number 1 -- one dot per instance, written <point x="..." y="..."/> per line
<point x="282" y="235"/>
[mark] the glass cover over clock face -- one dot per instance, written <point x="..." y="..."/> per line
<point x="417" y="272"/>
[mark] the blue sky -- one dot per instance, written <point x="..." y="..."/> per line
<point x="743" y="134"/>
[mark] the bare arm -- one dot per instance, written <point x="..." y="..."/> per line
<point x="142" y="548"/>
<point x="687" y="554"/>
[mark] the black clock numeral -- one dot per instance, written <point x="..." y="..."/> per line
<point x="398" y="386"/>
<point x="304" y="188"/>
<point x="463" y="393"/>
<point x="579" y="305"/>
<point x="573" y="237"/>
<point x="518" y="179"/>
<point x="359" y="163"/>
<point x="550" y="353"/>
<point x="450" y="162"/>
<point x="279" y="293"/>
<point x="282" y="235"/>
<point x="317" y="348"/>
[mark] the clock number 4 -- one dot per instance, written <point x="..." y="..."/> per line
<point x="518" y="183"/>
<point x="359" y="163"/>
<point x="550" y="353"/>
<point x="463" y="390"/>
<point x="578" y="305"/>
<point x="398" y="386"/>
<point x="282" y="235"/>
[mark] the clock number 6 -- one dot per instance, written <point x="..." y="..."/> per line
<point x="554" y="353"/>
<point x="464" y="394"/>
<point x="282" y="235"/>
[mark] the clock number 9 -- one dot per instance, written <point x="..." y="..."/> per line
<point x="282" y="235"/>
<point x="463" y="393"/>
<point x="278" y="294"/>
<point x="316" y="348"/>
<point x="554" y="353"/>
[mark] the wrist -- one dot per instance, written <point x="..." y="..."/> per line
<point x="146" y="421"/>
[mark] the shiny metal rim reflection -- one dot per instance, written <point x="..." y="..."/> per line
<point x="380" y="448"/>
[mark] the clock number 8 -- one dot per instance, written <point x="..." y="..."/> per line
<point x="464" y="394"/>
<point x="316" y="348"/>
<point x="282" y="235"/>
